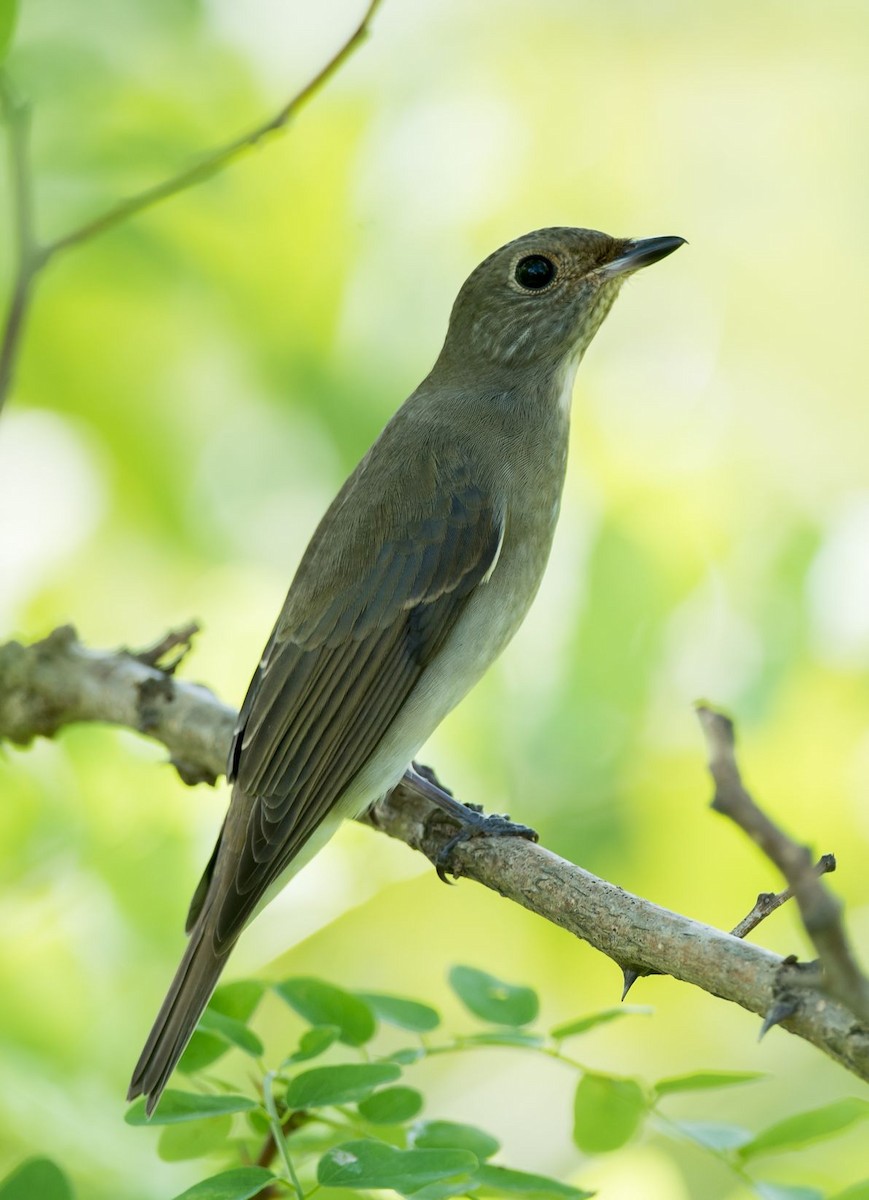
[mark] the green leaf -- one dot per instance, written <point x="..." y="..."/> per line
<point x="314" y="1042"/>
<point x="451" y="1135"/>
<point x="500" y="1181"/>
<point x="392" y="1106"/>
<point x="370" y="1164"/>
<point x="231" y="1030"/>
<point x="239" y="1184"/>
<point x="606" y="1112"/>
<point x="193" y="1139"/>
<point x="187" y="1106"/>
<point x="807" y="1127"/>
<point x="504" y="1037"/>
<point x="406" y="1056"/>
<point x="406" y="1014"/>
<point x="443" y="1189"/>
<point x="782" y="1191"/>
<point x="37" y="1177"/>
<point x="258" y="1120"/>
<point x="8" y="20"/>
<point x="236" y="1000"/>
<point x="201" y="1051"/>
<point x="714" y="1135"/>
<point x="493" y="1000"/>
<point x="584" y="1024"/>
<point x="857" y="1191"/>
<point x="322" y="1086"/>
<point x="324" y="1004"/>
<point x="701" y="1081"/>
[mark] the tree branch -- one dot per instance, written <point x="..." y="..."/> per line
<point x="58" y="681"/>
<point x="820" y="909"/>
<point x="16" y="116"/>
<point x="32" y="256"/>
<point x="217" y="159"/>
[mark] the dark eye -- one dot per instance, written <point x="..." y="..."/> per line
<point x="534" y="272"/>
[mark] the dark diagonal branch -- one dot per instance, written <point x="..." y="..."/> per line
<point x="821" y="911"/>
<point x="58" y="681"/>
<point x="33" y="256"/>
<point x="217" y="159"/>
<point x="16" y="117"/>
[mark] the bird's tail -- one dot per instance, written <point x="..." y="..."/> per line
<point x="191" y="990"/>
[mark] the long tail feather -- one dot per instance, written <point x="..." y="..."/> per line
<point x="188" y="995"/>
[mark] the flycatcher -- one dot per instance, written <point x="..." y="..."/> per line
<point x="416" y="578"/>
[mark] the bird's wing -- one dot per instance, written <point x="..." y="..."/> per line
<point x="331" y="683"/>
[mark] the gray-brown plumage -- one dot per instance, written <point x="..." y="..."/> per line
<point x="419" y="573"/>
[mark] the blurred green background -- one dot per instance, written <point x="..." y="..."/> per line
<point x="193" y="388"/>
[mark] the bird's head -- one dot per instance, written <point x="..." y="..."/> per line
<point x="540" y="299"/>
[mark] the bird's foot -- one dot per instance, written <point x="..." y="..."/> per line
<point x="470" y="818"/>
<point x="479" y="824"/>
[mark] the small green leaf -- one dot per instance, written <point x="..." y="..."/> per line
<point x="584" y="1024"/>
<point x="231" y="1030"/>
<point x="239" y="1184"/>
<point x="443" y="1189"/>
<point x="504" y="1037"/>
<point x="392" y="1106"/>
<point x="807" y="1127"/>
<point x="193" y="1139"/>
<point x="783" y="1191"/>
<point x="451" y="1135"/>
<point x="606" y="1112"/>
<point x="187" y="1106"/>
<point x="406" y="1014"/>
<point x="857" y="1191"/>
<point x="406" y="1056"/>
<point x="37" y="1177"/>
<point x="370" y="1164"/>
<point x="237" y="1000"/>
<point x="500" y="1181"/>
<point x="714" y="1135"/>
<point x="8" y="20"/>
<point x="493" y="1000"/>
<point x="701" y="1081"/>
<point x="323" y="1086"/>
<point x="258" y="1120"/>
<point x="201" y="1051"/>
<point x="314" y="1042"/>
<point x="324" y="1004"/>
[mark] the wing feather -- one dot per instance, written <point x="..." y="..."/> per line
<point x="332" y="681"/>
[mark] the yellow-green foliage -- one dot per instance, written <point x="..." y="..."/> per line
<point x="192" y="389"/>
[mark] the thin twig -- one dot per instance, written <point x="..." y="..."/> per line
<point x="278" y="1133"/>
<point x="32" y="257"/>
<point x="821" y="911"/>
<point x="28" y="258"/>
<point x="768" y="902"/>
<point x="217" y="159"/>
<point x="180" y="639"/>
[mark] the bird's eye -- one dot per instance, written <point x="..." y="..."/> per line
<point x="534" y="272"/>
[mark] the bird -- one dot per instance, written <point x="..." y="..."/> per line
<point x="417" y="576"/>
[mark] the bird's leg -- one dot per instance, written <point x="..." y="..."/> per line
<point x="472" y="820"/>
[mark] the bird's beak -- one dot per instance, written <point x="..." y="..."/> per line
<point x="640" y="252"/>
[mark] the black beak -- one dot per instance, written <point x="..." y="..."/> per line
<point x="641" y="252"/>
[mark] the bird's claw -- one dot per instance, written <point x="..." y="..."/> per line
<point x="493" y="825"/>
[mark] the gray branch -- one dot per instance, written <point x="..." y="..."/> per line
<point x="59" y="681"/>
<point x="821" y="911"/>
